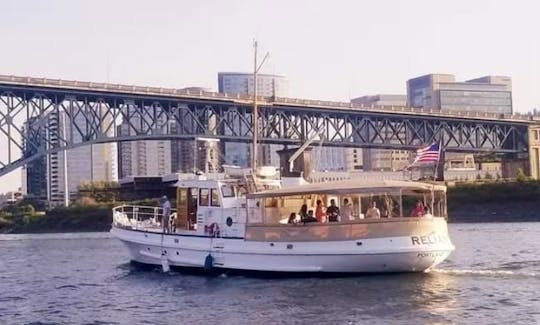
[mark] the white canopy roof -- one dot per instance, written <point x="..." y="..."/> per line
<point x="350" y="186"/>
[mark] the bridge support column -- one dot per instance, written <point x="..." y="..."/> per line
<point x="534" y="151"/>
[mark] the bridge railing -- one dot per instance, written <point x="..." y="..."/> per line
<point x="107" y="87"/>
<point x="406" y="109"/>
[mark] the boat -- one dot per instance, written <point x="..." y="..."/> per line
<point x="262" y="223"/>
<point x="240" y="225"/>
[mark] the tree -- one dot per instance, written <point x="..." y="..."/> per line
<point x="521" y="176"/>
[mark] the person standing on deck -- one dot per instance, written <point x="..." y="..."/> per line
<point x="166" y="207"/>
<point x="332" y="211"/>
<point x="319" y="211"/>
<point x="346" y="211"/>
<point x="373" y="212"/>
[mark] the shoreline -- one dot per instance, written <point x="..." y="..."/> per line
<point x="467" y="213"/>
<point x="494" y="202"/>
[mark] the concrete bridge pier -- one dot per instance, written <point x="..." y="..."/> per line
<point x="534" y="151"/>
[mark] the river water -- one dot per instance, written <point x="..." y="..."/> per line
<point x="493" y="277"/>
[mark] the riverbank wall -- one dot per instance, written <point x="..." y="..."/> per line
<point x="494" y="202"/>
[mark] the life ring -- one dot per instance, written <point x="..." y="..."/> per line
<point x="212" y="229"/>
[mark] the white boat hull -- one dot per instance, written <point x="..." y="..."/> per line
<point x="373" y="255"/>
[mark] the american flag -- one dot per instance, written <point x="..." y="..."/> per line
<point x="430" y="153"/>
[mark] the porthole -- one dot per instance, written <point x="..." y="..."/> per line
<point x="229" y="221"/>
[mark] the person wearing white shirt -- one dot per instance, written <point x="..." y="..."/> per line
<point x="373" y="212"/>
<point x="346" y="211"/>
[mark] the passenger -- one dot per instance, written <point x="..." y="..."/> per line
<point x="346" y="211"/>
<point x="319" y="211"/>
<point x="166" y="207"/>
<point x="418" y="210"/>
<point x="292" y="218"/>
<point x="373" y="212"/>
<point x="304" y="215"/>
<point x="332" y="211"/>
<point x="387" y="208"/>
<point x="303" y="212"/>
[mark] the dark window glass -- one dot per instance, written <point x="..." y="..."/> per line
<point x="203" y="197"/>
<point x="215" y="197"/>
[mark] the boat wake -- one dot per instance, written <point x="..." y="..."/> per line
<point x="488" y="272"/>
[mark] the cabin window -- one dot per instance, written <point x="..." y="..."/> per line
<point x="227" y="191"/>
<point x="203" y="197"/>
<point x="215" y="197"/>
<point x="241" y="191"/>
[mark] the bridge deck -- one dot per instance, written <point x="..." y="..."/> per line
<point x="86" y="86"/>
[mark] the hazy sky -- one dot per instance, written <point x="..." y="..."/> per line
<point x="333" y="50"/>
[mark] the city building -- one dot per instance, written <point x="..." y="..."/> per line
<point x="34" y="173"/>
<point x="329" y="158"/>
<point x="143" y="157"/>
<point x="44" y="177"/>
<point x="491" y="94"/>
<point x="268" y="85"/>
<point x="380" y="159"/>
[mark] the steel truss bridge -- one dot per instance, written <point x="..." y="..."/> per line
<point x="33" y="109"/>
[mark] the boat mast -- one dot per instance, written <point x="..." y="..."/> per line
<point x="255" y="116"/>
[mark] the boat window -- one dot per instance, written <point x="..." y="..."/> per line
<point x="416" y="204"/>
<point x="227" y="190"/>
<point x="241" y="191"/>
<point x="215" y="197"/>
<point x="439" y="205"/>
<point x="381" y="205"/>
<point x="203" y="197"/>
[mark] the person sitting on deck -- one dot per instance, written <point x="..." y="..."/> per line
<point x="373" y="212"/>
<point x="319" y="211"/>
<point x="304" y="216"/>
<point x="292" y="218"/>
<point x="418" y="210"/>
<point x="332" y="212"/>
<point x="346" y="211"/>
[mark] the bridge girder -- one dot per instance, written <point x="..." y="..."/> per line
<point x="31" y="119"/>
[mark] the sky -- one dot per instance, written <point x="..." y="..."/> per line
<point x="331" y="50"/>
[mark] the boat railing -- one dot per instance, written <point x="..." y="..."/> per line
<point x="140" y="217"/>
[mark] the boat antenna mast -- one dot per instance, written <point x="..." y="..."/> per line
<point x="255" y="116"/>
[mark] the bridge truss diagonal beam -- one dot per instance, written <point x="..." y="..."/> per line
<point x="32" y="120"/>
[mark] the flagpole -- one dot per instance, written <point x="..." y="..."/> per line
<point x="435" y="176"/>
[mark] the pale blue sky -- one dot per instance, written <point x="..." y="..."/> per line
<point x="331" y="50"/>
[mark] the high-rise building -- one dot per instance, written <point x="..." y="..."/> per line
<point x="202" y="155"/>
<point x="268" y="85"/>
<point x="143" y="157"/>
<point x="45" y="177"/>
<point x="329" y="158"/>
<point x="34" y="174"/>
<point x="382" y="159"/>
<point x="491" y="94"/>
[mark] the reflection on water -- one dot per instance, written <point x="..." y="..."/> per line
<point x="81" y="278"/>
